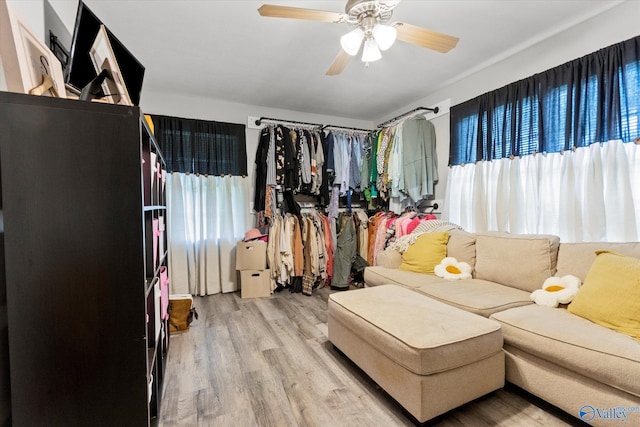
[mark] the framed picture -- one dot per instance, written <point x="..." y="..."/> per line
<point x="10" y="79"/>
<point x="58" y="50"/>
<point x="104" y="61"/>
<point x="29" y="65"/>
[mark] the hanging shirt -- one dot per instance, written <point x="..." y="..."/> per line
<point x="286" y="250"/>
<point x="380" y="160"/>
<point x="338" y="158"/>
<point x="395" y="165"/>
<point x="264" y="150"/>
<point x="356" y="164"/>
<point x="298" y="251"/>
<point x="373" y="172"/>
<point x="346" y="164"/>
<point x="329" y="156"/>
<point x="334" y="202"/>
<point x="363" y="233"/>
<point x="345" y="252"/>
<point x="272" y="250"/>
<point x="271" y="157"/>
<point x="280" y="154"/>
<point x="420" y="168"/>
<point x="365" y="167"/>
<point x="328" y="243"/>
<point x="319" y="164"/>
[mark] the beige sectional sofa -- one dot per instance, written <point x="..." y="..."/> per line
<point x="588" y="370"/>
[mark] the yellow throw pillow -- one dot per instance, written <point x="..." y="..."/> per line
<point x="427" y="252"/>
<point x="610" y="294"/>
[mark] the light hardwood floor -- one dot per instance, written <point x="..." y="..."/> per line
<point x="267" y="362"/>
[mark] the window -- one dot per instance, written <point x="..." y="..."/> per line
<point x="200" y="146"/>
<point x="595" y="98"/>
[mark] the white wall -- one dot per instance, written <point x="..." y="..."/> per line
<point x="615" y="25"/>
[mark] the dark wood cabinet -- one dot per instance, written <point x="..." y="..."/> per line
<point x="84" y="347"/>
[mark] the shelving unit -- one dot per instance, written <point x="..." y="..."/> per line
<point x="82" y="280"/>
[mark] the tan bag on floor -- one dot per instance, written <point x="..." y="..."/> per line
<point x="181" y="312"/>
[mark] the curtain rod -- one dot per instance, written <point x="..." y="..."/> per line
<point x="259" y="122"/>
<point x="409" y="113"/>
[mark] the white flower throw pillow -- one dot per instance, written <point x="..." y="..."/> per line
<point x="450" y="269"/>
<point x="556" y="291"/>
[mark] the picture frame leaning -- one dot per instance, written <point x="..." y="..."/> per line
<point x="104" y="61"/>
<point x="29" y="65"/>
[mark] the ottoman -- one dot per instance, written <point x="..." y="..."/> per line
<point x="429" y="356"/>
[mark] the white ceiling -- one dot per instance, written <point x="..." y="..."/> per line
<point x="225" y="50"/>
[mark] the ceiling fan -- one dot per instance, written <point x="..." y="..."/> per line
<point x="372" y="32"/>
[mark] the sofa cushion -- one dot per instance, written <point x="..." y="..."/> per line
<point x="462" y="246"/>
<point x="476" y="296"/>
<point x="521" y="261"/>
<point x="389" y="258"/>
<point x="377" y="275"/>
<point x="423" y="335"/>
<point x="427" y="252"/>
<point x="576" y="258"/>
<point x="610" y="295"/>
<point x="577" y="344"/>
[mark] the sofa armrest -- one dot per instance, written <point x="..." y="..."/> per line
<point x="389" y="258"/>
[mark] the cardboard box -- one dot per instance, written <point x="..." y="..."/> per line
<point x="251" y="255"/>
<point x="254" y="283"/>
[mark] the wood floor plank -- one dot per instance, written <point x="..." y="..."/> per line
<point x="257" y="325"/>
<point x="240" y="417"/>
<point x="268" y="399"/>
<point x="303" y="397"/>
<point x="267" y="362"/>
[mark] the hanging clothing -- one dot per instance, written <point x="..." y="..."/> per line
<point x="299" y="251"/>
<point x="363" y="233"/>
<point x="355" y="175"/>
<point x="298" y="254"/>
<point x="345" y="253"/>
<point x="419" y="161"/>
<point x="262" y="156"/>
<point x="328" y="243"/>
<point x="399" y="165"/>
<point x="323" y="199"/>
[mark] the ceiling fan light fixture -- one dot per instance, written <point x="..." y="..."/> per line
<point x="351" y="41"/>
<point x="385" y="36"/>
<point x="370" y="52"/>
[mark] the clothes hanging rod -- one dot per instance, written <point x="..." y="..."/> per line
<point x="259" y="122"/>
<point x="345" y="128"/>
<point x="409" y="113"/>
<point x="319" y="125"/>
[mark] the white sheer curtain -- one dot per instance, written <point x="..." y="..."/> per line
<point x="207" y="215"/>
<point x="592" y="194"/>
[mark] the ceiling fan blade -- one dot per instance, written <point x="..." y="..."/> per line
<point x="339" y="63"/>
<point x="425" y="38"/>
<point x="274" y="11"/>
